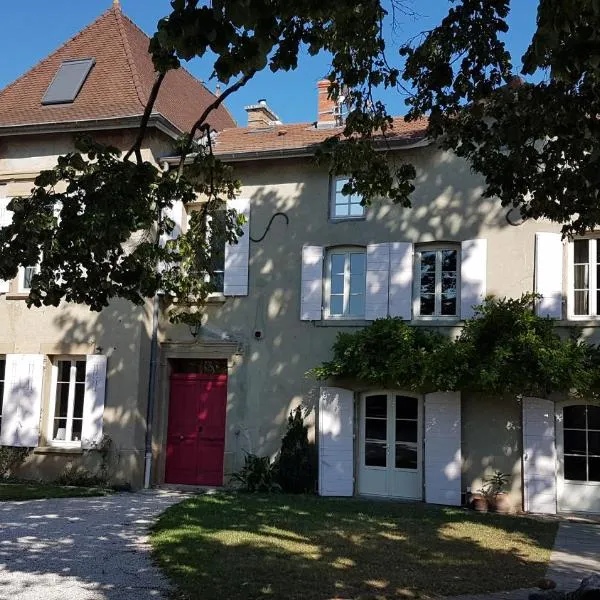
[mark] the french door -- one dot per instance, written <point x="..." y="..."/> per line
<point x="391" y="445"/>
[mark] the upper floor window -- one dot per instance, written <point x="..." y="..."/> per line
<point x="67" y="401"/>
<point x="585" y="284"/>
<point x="345" y="207"/>
<point x="345" y="283"/>
<point x="436" y="281"/>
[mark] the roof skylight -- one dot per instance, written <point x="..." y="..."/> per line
<point x="68" y="81"/>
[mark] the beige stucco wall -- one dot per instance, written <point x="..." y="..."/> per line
<point x="121" y="331"/>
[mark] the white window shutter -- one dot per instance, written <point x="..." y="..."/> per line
<point x="549" y="274"/>
<point x="93" y="400"/>
<point x="178" y="215"/>
<point x="22" y="403"/>
<point x="473" y="276"/>
<point x="443" y="455"/>
<point x="336" y="442"/>
<point x="237" y="256"/>
<point x="539" y="456"/>
<point x="401" y="276"/>
<point x="311" y="293"/>
<point x="5" y="221"/>
<point x="378" y="276"/>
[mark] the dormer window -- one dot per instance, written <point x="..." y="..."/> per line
<point x="68" y="81"/>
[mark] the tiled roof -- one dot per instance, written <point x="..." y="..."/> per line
<point x="301" y="136"/>
<point x="118" y="85"/>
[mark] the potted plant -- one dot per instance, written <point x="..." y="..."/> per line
<point x="494" y="490"/>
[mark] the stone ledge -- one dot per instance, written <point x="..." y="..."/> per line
<point x="57" y="450"/>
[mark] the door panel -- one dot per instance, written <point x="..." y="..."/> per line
<point x="196" y="429"/>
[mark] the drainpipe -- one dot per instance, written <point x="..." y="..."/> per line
<point x="151" y="394"/>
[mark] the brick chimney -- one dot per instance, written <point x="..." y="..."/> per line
<point x="260" y="115"/>
<point x="326" y="115"/>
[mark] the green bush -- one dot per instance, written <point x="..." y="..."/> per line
<point x="259" y="474"/>
<point x="11" y="458"/>
<point x="79" y="477"/>
<point x="295" y="472"/>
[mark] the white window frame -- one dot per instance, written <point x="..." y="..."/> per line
<point x="332" y="202"/>
<point x="67" y="442"/>
<point x="346" y="251"/>
<point x="593" y="280"/>
<point x="21" y="285"/>
<point x="437" y="248"/>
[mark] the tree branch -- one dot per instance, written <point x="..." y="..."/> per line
<point x="200" y="122"/>
<point x="137" y="146"/>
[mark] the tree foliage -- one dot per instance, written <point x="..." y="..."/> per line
<point x="535" y="142"/>
<point x="505" y="349"/>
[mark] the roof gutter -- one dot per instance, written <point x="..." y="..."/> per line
<point x="157" y="121"/>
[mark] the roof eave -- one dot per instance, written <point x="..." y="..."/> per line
<point x="284" y="153"/>
<point x="157" y="121"/>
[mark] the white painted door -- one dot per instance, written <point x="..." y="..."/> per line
<point x="391" y="442"/>
<point x="578" y="453"/>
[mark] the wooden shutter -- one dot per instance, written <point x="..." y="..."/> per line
<point x="237" y="256"/>
<point x="473" y="275"/>
<point x="401" y="276"/>
<point x="539" y="456"/>
<point x="93" y="400"/>
<point x="5" y="221"/>
<point x="378" y="275"/>
<point x="22" y="402"/>
<point x="336" y="442"/>
<point x="549" y="274"/>
<point x="311" y="283"/>
<point x="443" y="455"/>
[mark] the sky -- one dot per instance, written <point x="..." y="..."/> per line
<point x="31" y="30"/>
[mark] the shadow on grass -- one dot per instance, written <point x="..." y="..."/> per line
<point x="241" y="546"/>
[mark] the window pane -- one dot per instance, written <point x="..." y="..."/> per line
<point x="449" y="260"/>
<point x="357" y="262"/>
<point x="375" y="454"/>
<point x="407" y="407"/>
<point x="427" y="305"/>
<point x="581" y="303"/>
<point x="78" y="405"/>
<point x="449" y="283"/>
<point x="336" y="305"/>
<point x="342" y="210"/>
<point x="406" y="431"/>
<point x="594" y="466"/>
<point x="574" y="442"/>
<point x="594" y="442"/>
<point x="376" y="406"/>
<point x="337" y="263"/>
<point x="406" y="456"/>
<point x="62" y="400"/>
<point x="581" y="276"/>
<point x="575" y="468"/>
<point x="593" y="413"/>
<point x="80" y="366"/>
<point x="60" y="429"/>
<point x="427" y="262"/>
<point x="448" y="305"/>
<point x="339" y="184"/>
<point x="357" y="210"/>
<point x="2" y="368"/>
<point x="356" y="306"/>
<point x="427" y="284"/>
<point x="581" y="251"/>
<point x="64" y="370"/>
<point x="574" y="416"/>
<point x="357" y="283"/>
<point x="76" y="434"/>
<point x="376" y="429"/>
<point x="28" y="273"/>
<point x="337" y="284"/>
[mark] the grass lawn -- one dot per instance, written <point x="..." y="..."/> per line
<point x="31" y="490"/>
<point x="237" y="546"/>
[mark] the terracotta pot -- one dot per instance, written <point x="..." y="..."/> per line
<point x="501" y="503"/>
<point x="480" y="503"/>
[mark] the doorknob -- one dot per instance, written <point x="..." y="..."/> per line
<point x="181" y="438"/>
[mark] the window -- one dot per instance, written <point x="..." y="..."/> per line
<point x="218" y="223"/>
<point x="585" y="283"/>
<point x="25" y="277"/>
<point x="581" y="444"/>
<point x="436" y="281"/>
<point x="68" y="81"/>
<point x="345" y="207"/>
<point x="67" y="401"/>
<point x="345" y="283"/>
<point x="2" y="381"/>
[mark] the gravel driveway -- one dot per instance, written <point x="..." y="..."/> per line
<point x="81" y="548"/>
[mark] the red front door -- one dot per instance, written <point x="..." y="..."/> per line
<point x="196" y="432"/>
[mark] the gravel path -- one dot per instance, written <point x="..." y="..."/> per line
<point x="81" y="548"/>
